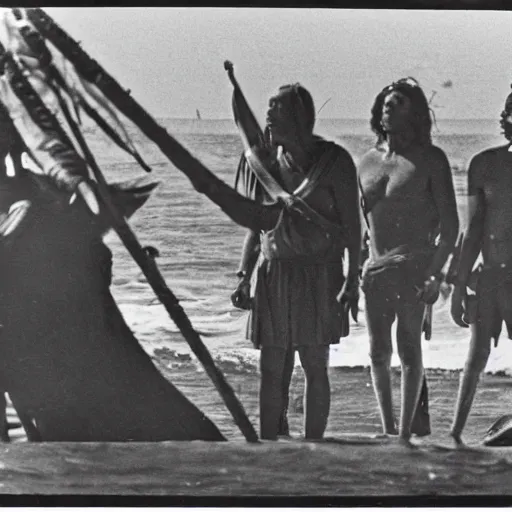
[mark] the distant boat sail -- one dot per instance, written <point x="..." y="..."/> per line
<point x="198" y="114"/>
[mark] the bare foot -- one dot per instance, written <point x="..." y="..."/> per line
<point x="386" y="435"/>
<point x="406" y="442"/>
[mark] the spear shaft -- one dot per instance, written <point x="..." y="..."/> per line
<point x="38" y="110"/>
<point x="240" y="209"/>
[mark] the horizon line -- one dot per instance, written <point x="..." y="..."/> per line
<point x="330" y="118"/>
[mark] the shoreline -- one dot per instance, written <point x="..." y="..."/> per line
<point x="173" y="361"/>
<point x="353" y="461"/>
<point x="353" y="403"/>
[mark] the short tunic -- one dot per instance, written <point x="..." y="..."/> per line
<point x="295" y="304"/>
<point x="298" y="277"/>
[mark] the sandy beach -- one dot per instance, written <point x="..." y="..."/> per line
<point x="353" y="404"/>
<point x="200" y="271"/>
<point x="172" y="62"/>
<point x="353" y="463"/>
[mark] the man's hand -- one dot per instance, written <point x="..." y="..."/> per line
<point x="348" y="297"/>
<point x="430" y="291"/>
<point x="457" y="306"/>
<point x="241" y="297"/>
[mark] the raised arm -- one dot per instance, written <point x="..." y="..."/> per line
<point x="444" y="197"/>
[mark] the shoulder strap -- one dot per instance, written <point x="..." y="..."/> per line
<point x="325" y="162"/>
<point x="267" y="181"/>
<point x="291" y="201"/>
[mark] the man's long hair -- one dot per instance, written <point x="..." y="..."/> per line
<point x="302" y="105"/>
<point x="421" y="112"/>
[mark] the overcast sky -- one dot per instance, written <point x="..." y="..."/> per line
<point x="172" y="58"/>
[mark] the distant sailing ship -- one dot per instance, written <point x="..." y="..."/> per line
<point x="198" y="114"/>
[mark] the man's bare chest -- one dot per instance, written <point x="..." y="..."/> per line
<point x="396" y="178"/>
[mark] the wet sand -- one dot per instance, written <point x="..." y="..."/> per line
<point x="353" y="403"/>
<point x="356" y="462"/>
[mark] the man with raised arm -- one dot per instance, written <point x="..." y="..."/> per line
<point x="409" y="201"/>
<point x="489" y="232"/>
<point x="302" y="298"/>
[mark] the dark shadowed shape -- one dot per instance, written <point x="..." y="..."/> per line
<point x="67" y="356"/>
<point x="500" y="432"/>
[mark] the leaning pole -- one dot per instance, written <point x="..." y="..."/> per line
<point x="141" y="257"/>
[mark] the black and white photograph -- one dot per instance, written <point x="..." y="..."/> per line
<point x="255" y="255"/>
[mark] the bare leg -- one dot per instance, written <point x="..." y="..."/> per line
<point x="272" y="363"/>
<point x="479" y="350"/>
<point x="284" y="428"/>
<point x="315" y="361"/>
<point x="410" y="320"/>
<point x="379" y="320"/>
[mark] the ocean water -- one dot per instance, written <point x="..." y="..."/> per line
<point x="200" y="246"/>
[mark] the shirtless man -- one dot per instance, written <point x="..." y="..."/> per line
<point x="489" y="231"/>
<point x="409" y="200"/>
<point x="302" y="297"/>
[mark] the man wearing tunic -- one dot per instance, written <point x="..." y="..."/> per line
<point x="301" y="299"/>
<point x="409" y="201"/>
<point x="489" y="232"/>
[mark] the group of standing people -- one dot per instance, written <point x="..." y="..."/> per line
<point x="292" y="277"/>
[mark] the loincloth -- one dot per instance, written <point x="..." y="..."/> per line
<point x="295" y="304"/>
<point x="395" y="275"/>
<point x="491" y="305"/>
